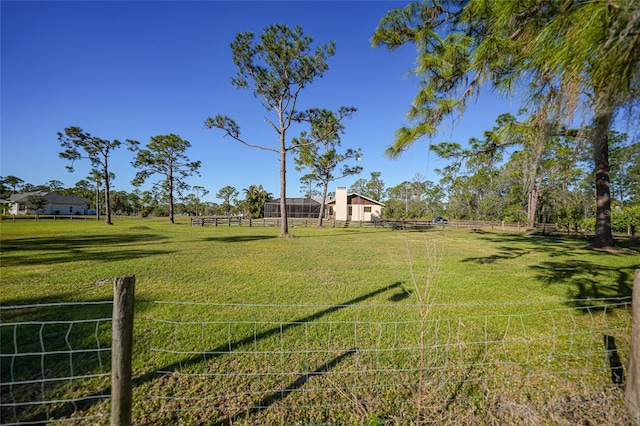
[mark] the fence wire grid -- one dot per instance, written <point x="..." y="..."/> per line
<point x="340" y="365"/>
<point x="52" y="368"/>
<point x="319" y="364"/>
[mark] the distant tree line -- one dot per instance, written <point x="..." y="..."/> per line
<point x="531" y="168"/>
<point x="154" y="202"/>
<point x="506" y="177"/>
<point x="500" y="177"/>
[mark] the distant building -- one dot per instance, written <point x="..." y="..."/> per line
<point x="56" y="204"/>
<point x="344" y="207"/>
<point x="296" y="208"/>
<point x="354" y="206"/>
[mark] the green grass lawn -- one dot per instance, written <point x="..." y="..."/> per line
<point x="252" y="311"/>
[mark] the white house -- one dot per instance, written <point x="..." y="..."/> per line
<point x="56" y="204"/>
<point x="354" y="206"/>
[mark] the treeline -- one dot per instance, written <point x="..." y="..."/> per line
<point x="153" y="202"/>
<point x="507" y="176"/>
<point x="503" y="176"/>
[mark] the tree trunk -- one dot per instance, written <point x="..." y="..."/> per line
<point x="171" y="220"/>
<point x="97" y="201"/>
<point x="107" y="196"/>
<point x="322" y="204"/>
<point x="284" y="226"/>
<point x="601" y="123"/>
<point x="532" y="206"/>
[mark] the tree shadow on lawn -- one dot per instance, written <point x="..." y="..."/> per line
<point x="241" y="238"/>
<point x="52" y="348"/>
<point x="505" y="253"/>
<point x="280" y="395"/>
<point x="227" y="348"/>
<point x="71" y="249"/>
<point x="553" y="246"/>
<point x="586" y="280"/>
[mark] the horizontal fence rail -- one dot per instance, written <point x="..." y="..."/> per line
<point x="396" y="224"/>
<point x="275" y="222"/>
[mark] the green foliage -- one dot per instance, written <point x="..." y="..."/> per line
<point x="78" y="144"/>
<point x="418" y="199"/>
<point x="36" y="203"/>
<point x="317" y="151"/>
<point x="165" y="156"/>
<point x="625" y="168"/>
<point x="229" y="196"/>
<point x="626" y="218"/>
<point x="276" y="69"/>
<point x="565" y="52"/>
<point x="10" y="185"/>
<point x="372" y="188"/>
<point x="255" y="198"/>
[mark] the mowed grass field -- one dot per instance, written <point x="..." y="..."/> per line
<point x="234" y="324"/>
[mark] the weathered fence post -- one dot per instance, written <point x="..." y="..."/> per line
<point x="121" y="350"/>
<point x="632" y="391"/>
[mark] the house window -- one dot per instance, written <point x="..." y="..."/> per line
<point x="367" y="209"/>
<point x="22" y="207"/>
<point x="350" y="210"/>
<point x="70" y="209"/>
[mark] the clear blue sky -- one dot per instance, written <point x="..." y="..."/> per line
<point x="133" y="70"/>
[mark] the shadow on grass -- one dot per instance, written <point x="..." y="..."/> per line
<point x="280" y="395"/>
<point x="58" y="249"/>
<point x="241" y="238"/>
<point x="400" y="295"/>
<point x="225" y="349"/>
<point x="524" y="244"/>
<point x="467" y="383"/>
<point x="505" y="253"/>
<point x="52" y="348"/>
<point x="586" y="280"/>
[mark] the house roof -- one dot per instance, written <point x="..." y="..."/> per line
<point x="51" y="197"/>
<point x="353" y="195"/>
<point x="296" y="201"/>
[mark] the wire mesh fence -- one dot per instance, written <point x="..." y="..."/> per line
<point x="55" y="359"/>
<point x="356" y="363"/>
<point x="317" y="364"/>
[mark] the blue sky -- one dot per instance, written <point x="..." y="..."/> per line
<point x="133" y="70"/>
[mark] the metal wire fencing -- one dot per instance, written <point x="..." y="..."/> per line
<point x="355" y="363"/>
<point x="55" y="360"/>
<point x="342" y="364"/>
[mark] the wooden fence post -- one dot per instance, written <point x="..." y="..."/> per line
<point x="632" y="391"/>
<point x="121" y="350"/>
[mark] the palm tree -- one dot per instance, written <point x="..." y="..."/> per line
<point x="256" y="197"/>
